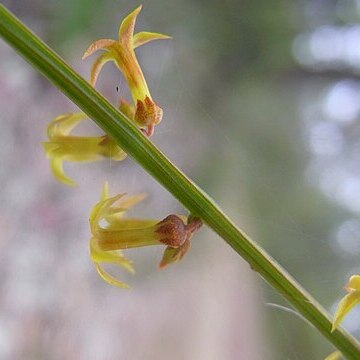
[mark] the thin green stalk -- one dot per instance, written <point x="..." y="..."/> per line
<point x="158" y="166"/>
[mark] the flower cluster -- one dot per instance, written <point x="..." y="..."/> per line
<point x="111" y="232"/>
<point x="145" y="112"/>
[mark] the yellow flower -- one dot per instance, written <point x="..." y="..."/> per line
<point x="351" y="299"/>
<point x="63" y="146"/>
<point x="119" y="233"/>
<point x="146" y="113"/>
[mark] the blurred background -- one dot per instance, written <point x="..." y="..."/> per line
<point x="262" y="110"/>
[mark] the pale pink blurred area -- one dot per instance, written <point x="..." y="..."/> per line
<point x="53" y="305"/>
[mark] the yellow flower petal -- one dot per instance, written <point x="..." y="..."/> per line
<point x="98" y="65"/>
<point x="115" y="213"/>
<point x="58" y="171"/>
<point x="110" y="279"/>
<point x="101" y="44"/>
<point x="99" y="211"/>
<point x="353" y="283"/>
<point x="105" y="191"/>
<point x="126" y="29"/>
<point x="63" y="124"/>
<point x="336" y="355"/>
<point x="346" y="304"/>
<point x="144" y="37"/>
<point x="130" y="201"/>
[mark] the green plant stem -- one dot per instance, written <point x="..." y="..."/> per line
<point x="158" y="166"/>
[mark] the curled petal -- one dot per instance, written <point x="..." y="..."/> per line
<point x="99" y="211"/>
<point x="115" y="213"/>
<point x="97" y="45"/>
<point x="58" y="171"/>
<point x="132" y="200"/>
<point x="144" y="37"/>
<point x="149" y="130"/>
<point x="98" y="64"/>
<point x="346" y="304"/>
<point x="126" y="30"/>
<point x="63" y="124"/>
<point x="104" y="210"/>
<point x="109" y="278"/>
<point x="353" y="283"/>
<point x="110" y="257"/>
